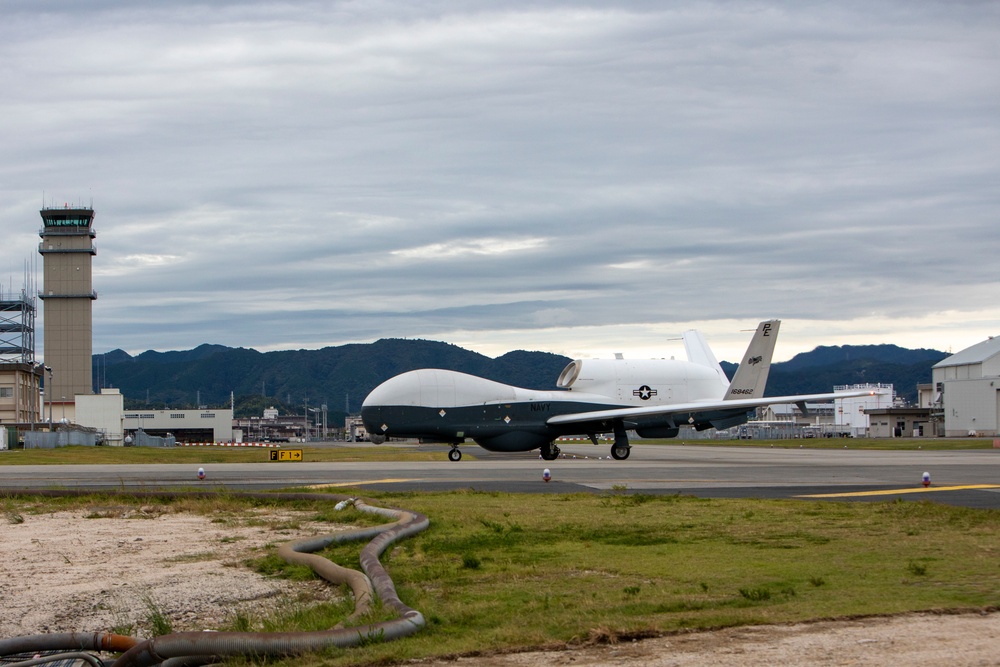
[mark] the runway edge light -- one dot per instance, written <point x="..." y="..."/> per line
<point x="546" y="474"/>
<point x="201" y="473"/>
<point x="926" y="479"/>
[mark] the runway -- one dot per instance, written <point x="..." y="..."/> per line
<point x="967" y="478"/>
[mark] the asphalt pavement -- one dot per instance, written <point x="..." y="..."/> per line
<point x="967" y="477"/>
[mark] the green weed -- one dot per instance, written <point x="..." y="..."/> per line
<point x="758" y="594"/>
<point x="157" y="620"/>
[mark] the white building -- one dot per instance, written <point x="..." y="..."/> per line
<point x="966" y="388"/>
<point x="103" y="412"/>
<point x="850" y="414"/>
<point x="106" y="413"/>
<point x="215" y="425"/>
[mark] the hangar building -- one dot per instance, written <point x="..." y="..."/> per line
<point x="967" y="390"/>
<point x="214" y="425"/>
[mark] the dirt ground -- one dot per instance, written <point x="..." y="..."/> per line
<point x="114" y="568"/>
<point x="104" y="568"/>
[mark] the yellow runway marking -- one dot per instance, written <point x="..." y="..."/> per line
<point x="359" y="482"/>
<point x="892" y="492"/>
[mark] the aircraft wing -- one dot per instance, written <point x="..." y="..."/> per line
<point x="688" y="409"/>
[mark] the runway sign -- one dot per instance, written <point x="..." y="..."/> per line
<point x="286" y="454"/>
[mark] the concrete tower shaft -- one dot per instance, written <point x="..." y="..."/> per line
<point x="67" y="250"/>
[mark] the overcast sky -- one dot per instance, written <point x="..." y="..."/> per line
<point x="579" y="178"/>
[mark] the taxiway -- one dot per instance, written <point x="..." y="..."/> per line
<point x="967" y="477"/>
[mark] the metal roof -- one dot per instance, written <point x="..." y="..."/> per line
<point x="976" y="354"/>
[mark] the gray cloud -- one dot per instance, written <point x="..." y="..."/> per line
<point x="513" y="174"/>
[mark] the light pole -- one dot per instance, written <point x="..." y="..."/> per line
<point x="38" y="407"/>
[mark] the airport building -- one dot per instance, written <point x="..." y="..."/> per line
<point x="849" y="416"/>
<point x="104" y="413"/>
<point x="965" y="390"/>
<point x="67" y="250"/>
<point x="354" y="430"/>
<point x="214" y="425"/>
<point x="852" y="414"/>
<point x="273" y="427"/>
<point x="902" y="422"/>
<point x="20" y="376"/>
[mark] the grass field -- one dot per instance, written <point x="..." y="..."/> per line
<point x="134" y="455"/>
<point x="504" y="571"/>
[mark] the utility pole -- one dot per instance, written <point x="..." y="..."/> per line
<point x="48" y="369"/>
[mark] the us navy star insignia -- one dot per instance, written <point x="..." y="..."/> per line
<point x="645" y="392"/>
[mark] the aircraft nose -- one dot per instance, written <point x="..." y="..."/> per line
<point x="399" y="390"/>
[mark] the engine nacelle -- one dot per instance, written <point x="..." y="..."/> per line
<point x="643" y="381"/>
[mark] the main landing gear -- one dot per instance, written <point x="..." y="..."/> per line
<point x="620" y="449"/>
<point x="455" y="454"/>
<point x="550" y="452"/>
<point x="620" y="452"/>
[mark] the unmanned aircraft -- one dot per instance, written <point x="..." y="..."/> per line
<point x="652" y="397"/>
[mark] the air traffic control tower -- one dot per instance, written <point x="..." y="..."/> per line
<point x="67" y="250"/>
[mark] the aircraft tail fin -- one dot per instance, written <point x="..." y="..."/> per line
<point x="751" y="376"/>
<point x="698" y="352"/>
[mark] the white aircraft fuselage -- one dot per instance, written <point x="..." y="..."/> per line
<point x="448" y="406"/>
<point x="653" y="397"/>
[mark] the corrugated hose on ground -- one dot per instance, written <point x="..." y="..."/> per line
<point x="199" y="648"/>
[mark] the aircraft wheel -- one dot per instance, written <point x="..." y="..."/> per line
<point x="550" y="452"/>
<point x="455" y="454"/>
<point x="620" y="452"/>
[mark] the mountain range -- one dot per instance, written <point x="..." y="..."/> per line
<point x="340" y="377"/>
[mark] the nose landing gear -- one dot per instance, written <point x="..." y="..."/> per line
<point x="550" y="452"/>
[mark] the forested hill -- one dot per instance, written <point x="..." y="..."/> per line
<point x="335" y="376"/>
<point x="342" y="376"/>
